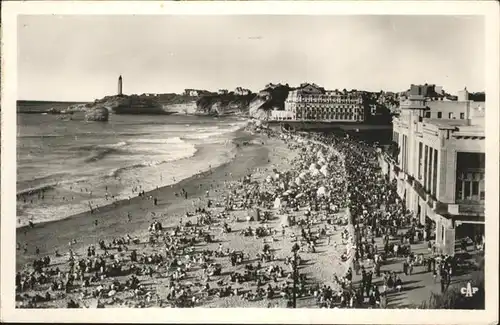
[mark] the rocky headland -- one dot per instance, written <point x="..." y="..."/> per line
<point x="125" y="104"/>
<point x="252" y="105"/>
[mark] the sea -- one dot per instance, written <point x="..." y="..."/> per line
<point x="65" y="167"/>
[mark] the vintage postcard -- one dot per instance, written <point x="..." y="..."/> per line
<point x="277" y="162"/>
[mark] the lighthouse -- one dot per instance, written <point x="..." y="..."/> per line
<point x="120" y="86"/>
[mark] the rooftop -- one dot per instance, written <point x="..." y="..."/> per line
<point x="460" y="126"/>
<point x="445" y="123"/>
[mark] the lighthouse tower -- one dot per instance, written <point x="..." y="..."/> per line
<point x="120" y="86"/>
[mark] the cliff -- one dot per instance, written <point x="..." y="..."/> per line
<point x="251" y="105"/>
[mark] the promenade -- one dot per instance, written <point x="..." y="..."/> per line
<point x="418" y="286"/>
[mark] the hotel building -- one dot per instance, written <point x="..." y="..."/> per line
<point x="439" y="166"/>
<point x="313" y="103"/>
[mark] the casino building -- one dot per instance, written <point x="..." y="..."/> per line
<point x="439" y="166"/>
<point x="311" y="102"/>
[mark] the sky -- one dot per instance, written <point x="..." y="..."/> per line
<point x="79" y="58"/>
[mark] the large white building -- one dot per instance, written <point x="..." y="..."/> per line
<point x="440" y="166"/>
<point x="313" y="103"/>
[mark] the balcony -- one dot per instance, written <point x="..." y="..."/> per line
<point x="466" y="209"/>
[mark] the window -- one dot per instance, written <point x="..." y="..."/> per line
<point x="459" y="190"/>
<point x="427" y="114"/>
<point x="420" y="158"/>
<point x="462" y="116"/>
<point x="481" y="195"/>
<point x="475" y="188"/>
<point x="450" y="116"/>
<point x="440" y="114"/>
<point x="467" y="190"/>
<point x="434" y="172"/>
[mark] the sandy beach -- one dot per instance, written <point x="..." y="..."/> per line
<point x="258" y="155"/>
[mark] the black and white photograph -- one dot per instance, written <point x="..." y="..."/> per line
<point x="250" y="160"/>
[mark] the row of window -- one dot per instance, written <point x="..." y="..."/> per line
<point x="470" y="176"/>
<point x="451" y="116"/>
<point x="329" y="107"/>
<point x="326" y="100"/>
<point x="350" y="117"/>
<point x="469" y="190"/>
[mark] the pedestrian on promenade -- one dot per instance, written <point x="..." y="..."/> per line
<point x="405" y="268"/>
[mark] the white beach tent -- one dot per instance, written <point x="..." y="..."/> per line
<point x="324" y="170"/>
<point x="277" y="203"/>
<point x="285" y="220"/>
<point x="321" y="191"/>
<point x="313" y="167"/>
<point x="253" y="215"/>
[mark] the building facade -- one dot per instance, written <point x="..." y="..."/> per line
<point x="277" y="115"/>
<point x="439" y="169"/>
<point x="313" y="103"/>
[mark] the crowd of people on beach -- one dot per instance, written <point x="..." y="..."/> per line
<point x="329" y="174"/>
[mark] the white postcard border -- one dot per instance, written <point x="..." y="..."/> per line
<point x="10" y="11"/>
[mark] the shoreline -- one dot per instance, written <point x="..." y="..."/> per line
<point x="167" y="201"/>
<point x="121" y="186"/>
<point x="84" y="203"/>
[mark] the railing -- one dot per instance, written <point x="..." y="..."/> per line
<point x="466" y="209"/>
<point x="420" y="189"/>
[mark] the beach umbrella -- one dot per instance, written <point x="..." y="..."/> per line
<point x="111" y="293"/>
<point x="298" y="196"/>
<point x="315" y="172"/>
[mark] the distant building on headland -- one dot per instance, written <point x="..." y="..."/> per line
<point x="191" y="92"/>
<point x="439" y="166"/>
<point x="311" y="102"/>
<point x="272" y="85"/>
<point x="120" y="86"/>
<point x="222" y="91"/>
<point x="196" y="92"/>
<point x="242" y="91"/>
